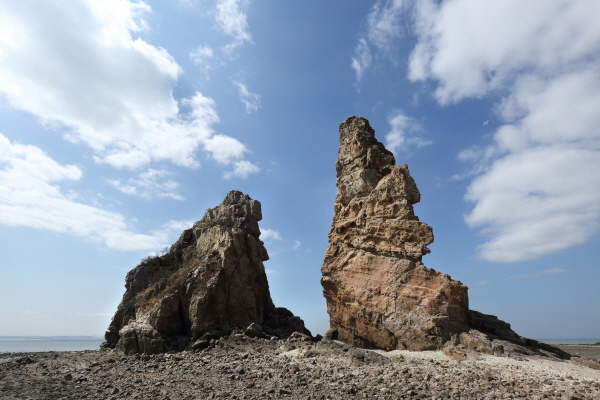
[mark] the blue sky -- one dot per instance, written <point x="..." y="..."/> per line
<point x="121" y="122"/>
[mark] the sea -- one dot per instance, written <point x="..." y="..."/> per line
<point x="569" y="341"/>
<point x="26" y="344"/>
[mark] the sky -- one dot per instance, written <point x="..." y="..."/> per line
<point x="122" y="121"/>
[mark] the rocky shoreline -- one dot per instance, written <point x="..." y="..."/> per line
<point x="241" y="367"/>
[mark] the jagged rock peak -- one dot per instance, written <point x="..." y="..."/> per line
<point x="210" y="283"/>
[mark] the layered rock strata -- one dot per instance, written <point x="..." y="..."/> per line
<point x="378" y="292"/>
<point x="210" y="283"/>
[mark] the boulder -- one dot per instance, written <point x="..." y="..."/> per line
<point x="212" y="281"/>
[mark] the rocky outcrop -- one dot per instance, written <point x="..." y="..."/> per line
<point x="210" y="283"/>
<point x="378" y="292"/>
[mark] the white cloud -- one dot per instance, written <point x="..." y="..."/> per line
<point x="537" y="186"/>
<point x="250" y="100"/>
<point x="231" y="18"/>
<point x="269" y="234"/>
<point x="150" y="184"/>
<point x="465" y="45"/>
<point x="550" y="271"/>
<point x="82" y="69"/>
<point x="241" y="169"/>
<point x="404" y="133"/>
<point x="225" y="149"/>
<point x="297" y="244"/>
<point x="30" y="197"/>
<point x="536" y="201"/>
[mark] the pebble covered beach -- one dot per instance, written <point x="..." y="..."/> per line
<point x="240" y="367"/>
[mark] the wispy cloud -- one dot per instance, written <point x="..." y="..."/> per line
<point x="149" y="185"/>
<point x="297" y="244"/>
<point x="406" y="132"/>
<point x="93" y="314"/>
<point x="201" y="54"/>
<point x="530" y="195"/>
<point x="362" y="58"/>
<point x="550" y="271"/>
<point x="269" y="234"/>
<point x="250" y="100"/>
<point x="241" y="169"/>
<point x="204" y="58"/>
<point x="232" y="19"/>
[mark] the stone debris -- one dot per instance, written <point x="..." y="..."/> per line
<point x="211" y="282"/>
<point x="244" y="367"/>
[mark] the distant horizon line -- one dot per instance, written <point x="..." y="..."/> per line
<point x="51" y="336"/>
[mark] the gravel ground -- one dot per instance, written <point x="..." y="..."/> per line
<point x="245" y="368"/>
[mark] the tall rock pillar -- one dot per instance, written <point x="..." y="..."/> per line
<point x="378" y="292"/>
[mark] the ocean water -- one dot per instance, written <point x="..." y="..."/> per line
<point x="569" y="341"/>
<point x="13" y="344"/>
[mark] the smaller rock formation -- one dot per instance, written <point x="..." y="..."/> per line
<point x="210" y="283"/>
<point x="378" y="292"/>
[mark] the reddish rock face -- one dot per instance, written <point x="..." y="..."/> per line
<point x="211" y="282"/>
<point x="378" y="293"/>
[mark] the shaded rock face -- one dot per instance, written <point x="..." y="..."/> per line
<point x="211" y="282"/>
<point x="378" y="292"/>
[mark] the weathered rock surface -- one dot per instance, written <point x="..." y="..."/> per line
<point x="378" y="292"/>
<point x="211" y="282"/>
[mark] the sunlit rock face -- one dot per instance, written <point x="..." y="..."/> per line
<point x="378" y="292"/>
<point x="210" y="283"/>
